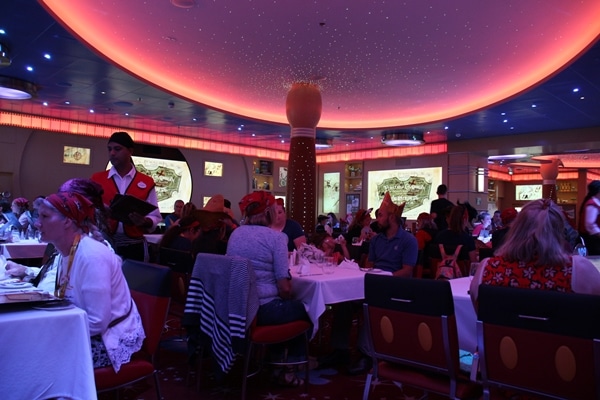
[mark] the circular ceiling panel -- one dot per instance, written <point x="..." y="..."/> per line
<point x="379" y="63"/>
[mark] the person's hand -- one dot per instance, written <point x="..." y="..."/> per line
<point x="140" y="221"/>
<point x="341" y="240"/>
<point x="16" y="270"/>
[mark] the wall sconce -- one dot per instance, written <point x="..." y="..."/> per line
<point x="480" y="179"/>
<point x="323" y="143"/>
<point x="16" y="89"/>
<point x="394" y="138"/>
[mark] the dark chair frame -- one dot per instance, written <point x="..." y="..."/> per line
<point x="411" y="331"/>
<point x="540" y="342"/>
<point x="149" y="285"/>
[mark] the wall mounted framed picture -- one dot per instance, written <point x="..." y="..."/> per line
<point x="331" y="192"/>
<point x="352" y="203"/>
<point x="213" y="168"/>
<point x="76" y="155"/>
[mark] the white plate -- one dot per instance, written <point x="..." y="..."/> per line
<point x="54" y="305"/>
<point x="15" y="285"/>
<point x="375" y="271"/>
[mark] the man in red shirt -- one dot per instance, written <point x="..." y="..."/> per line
<point x="123" y="178"/>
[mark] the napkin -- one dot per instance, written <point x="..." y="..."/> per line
<point x="349" y="264"/>
<point x="303" y="267"/>
<point x="310" y="253"/>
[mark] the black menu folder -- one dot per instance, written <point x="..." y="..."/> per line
<point x="124" y="204"/>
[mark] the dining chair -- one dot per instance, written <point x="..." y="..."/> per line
<point x="539" y="342"/>
<point x="222" y="305"/>
<point x="181" y="264"/>
<point x="149" y="285"/>
<point x="412" y="336"/>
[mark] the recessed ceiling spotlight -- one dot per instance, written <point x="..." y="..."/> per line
<point x="395" y="138"/>
<point x="575" y="90"/>
<point x="47" y="56"/>
<point x="29" y="68"/>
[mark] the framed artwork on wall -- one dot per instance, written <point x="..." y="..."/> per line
<point x="282" y="176"/>
<point x="331" y="192"/>
<point x="76" y="155"/>
<point x="213" y="168"/>
<point x="352" y="203"/>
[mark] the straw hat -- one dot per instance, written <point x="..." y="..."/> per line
<point x="213" y="213"/>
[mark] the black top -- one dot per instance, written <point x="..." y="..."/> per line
<point x="440" y="208"/>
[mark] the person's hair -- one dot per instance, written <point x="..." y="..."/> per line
<point x="318" y="238"/>
<point x="92" y="191"/>
<point x="185" y="223"/>
<point x="426" y="222"/>
<point x="537" y="234"/>
<point x="265" y="218"/>
<point x="456" y="219"/>
<point x="188" y="209"/>
<point x="334" y="220"/>
<point x="482" y="215"/>
<point x="442" y="189"/>
<point x="593" y="190"/>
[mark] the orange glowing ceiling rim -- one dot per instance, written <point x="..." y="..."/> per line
<point x="379" y="64"/>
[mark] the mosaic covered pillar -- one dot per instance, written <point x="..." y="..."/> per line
<point x="549" y="171"/>
<point x="303" y="110"/>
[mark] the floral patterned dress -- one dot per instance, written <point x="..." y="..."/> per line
<point x="499" y="272"/>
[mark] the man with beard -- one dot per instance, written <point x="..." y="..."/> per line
<point x="393" y="249"/>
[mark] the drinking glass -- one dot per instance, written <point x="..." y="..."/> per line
<point x="329" y="265"/>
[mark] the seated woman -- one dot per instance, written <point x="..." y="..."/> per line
<point x="268" y="251"/>
<point x="481" y="232"/>
<point x="426" y="230"/>
<point x="20" y="208"/>
<point x="90" y="276"/>
<point x="536" y="255"/>
<point x="331" y="247"/>
<point x="455" y="235"/>
<point x="44" y="278"/>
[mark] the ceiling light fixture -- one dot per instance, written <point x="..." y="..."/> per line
<point x="507" y="157"/>
<point x="394" y="138"/>
<point x="16" y="89"/>
<point x="323" y="143"/>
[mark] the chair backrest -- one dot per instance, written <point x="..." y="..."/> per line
<point x="538" y="341"/>
<point x="412" y="322"/>
<point x="222" y="301"/>
<point x="177" y="260"/>
<point x="150" y="287"/>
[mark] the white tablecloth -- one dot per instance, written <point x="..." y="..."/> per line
<point x="29" y="248"/>
<point x="318" y="290"/>
<point x="153" y="238"/>
<point x="45" y="354"/>
<point x="466" y="318"/>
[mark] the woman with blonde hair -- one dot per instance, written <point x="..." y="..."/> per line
<point x="536" y="255"/>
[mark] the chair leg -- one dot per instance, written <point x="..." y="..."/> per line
<point x="246" y="367"/>
<point x="367" y="386"/>
<point x="157" y="385"/>
<point x="307" y="365"/>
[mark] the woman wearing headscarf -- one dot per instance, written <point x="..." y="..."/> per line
<point x="89" y="275"/>
<point x="589" y="219"/>
<point x="268" y="251"/>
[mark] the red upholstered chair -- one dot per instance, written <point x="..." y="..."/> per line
<point x="539" y="342"/>
<point x="150" y="289"/>
<point x="272" y="334"/>
<point x="411" y="330"/>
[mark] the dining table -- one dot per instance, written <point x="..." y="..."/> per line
<point x="24" y="248"/>
<point x="317" y="289"/>
<point x="46" y="352"/>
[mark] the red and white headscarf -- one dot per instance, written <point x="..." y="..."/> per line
<point x="73" y="206"/>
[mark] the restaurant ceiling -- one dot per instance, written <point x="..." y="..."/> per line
<point x="452" y="71"/>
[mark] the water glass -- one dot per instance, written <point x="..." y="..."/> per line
<point x="329" y="265"/>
